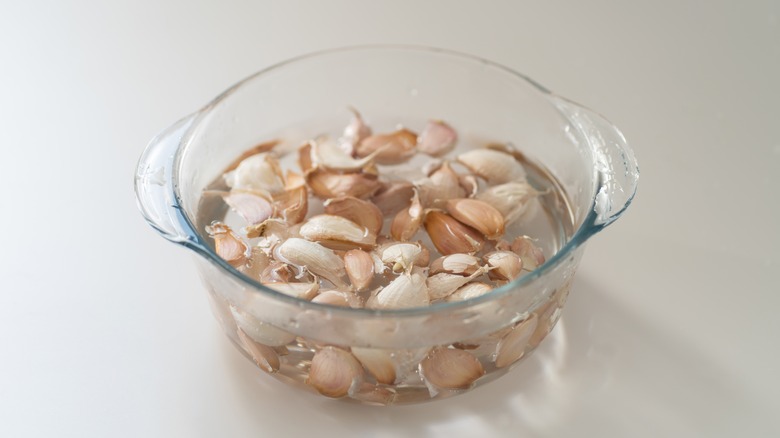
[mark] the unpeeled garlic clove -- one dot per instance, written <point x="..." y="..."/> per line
<point x="424" y="258"/>
<point x="449" y="368"/>
<point x="449" y="236"/>
<point x="331" y="155"/>
<point x="517" y="200"/>
<point x="393" y="148"/>
<point x="357" y="130"/>
<point x="479" y="215"/>
<point x="252" y="207"/>
<point x="406" y="223"/>
<point x="400" y="256"/>
<point x="260" y="172"/>
<point x="328" y="184"/>
<point x="334" y="372"/>
<point x="378" y="362"/>
<point x="336" y="232"/>
<point x="227" y="244"/>
<point x="338" y="298"/>
<point x="442" y="184"/>
<point x="493" y="166"/>
<point x="469" y="291"/>
<point x="314" y="257"/>
<point x="443" y="284"/>
<point x="438" y="138"/>
<point x="292" y="204"/>
<point x="460" y="264"/>
<point x="303" y="291"/>
<point x="360" y="268"/>
<point x="507" y="265"/>
<point x="532" y="255"/>
<point x="359" y="211"/>
<point x="259" y="331"/>
<point x="512" y="346"/>
<point x="393" y="196"/>
<point x="264" y="356"/>
<point x="407" y="290"/>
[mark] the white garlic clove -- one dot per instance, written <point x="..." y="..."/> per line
<point x="443" y="284"/>
<point x="400" y="256"/>
<point x="442" y="184"/>
<point x="252" y="207"/>
<point x="507" y="265"/>
<point x="331" y="155"/>
<point x="259" y="331"/>
<point x="334" y="372"/>
<point x="393" y="197"/>
<point x="517" y="200"/>
<point x="393" y="148"/>
<point x="532" y="255"/>
<point x="267" y="146"/>
<point x="461" y="264"/>
<point x="378" y="362"/>
<point x="359" y="211"/>
<point x="479" y="215"/>
<point x="303" y="291"/>
<point x="336" y="232"/>
<point x="327" y="184"/>
<point x="407" y="290"/>
<point x="449" y="368"/>
<point x="227" y="244"/>
<point x="493" y="166"/>
<point x="450" y="236"/>
<point x="264" y="356"/>
<point x="260" y="172"/>
<point x="360" y="268"/>
<point x="512" y="346"/>
<point x="314" y="257"/>
<point x="338" y="298"/>
<point x="438" y="138"/>
<point x="357" y="130"/>
<point x="469" y="291"/>
<point x="291" y="205"/>
<point x="406" y="223"/>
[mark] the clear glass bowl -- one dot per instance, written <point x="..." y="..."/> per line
<point x="591" y="171"/>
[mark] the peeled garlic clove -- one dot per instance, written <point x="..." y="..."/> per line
<point x="259" y="331"/>
<point x="507" y="264"/>
<point x="357" y="130"/>
<point x="515" y="200"/>
<point x="479" y="215"/>
<point x="438" y="138"/>
<point x="450" y="236"/>
<point x="359" y="211"/>
<point x="378" y="362"/>
<point x="469" y="291"/>
<point x="406" y="223"/>
<point x="531" y="254"/>
<point x="330" y="155"/>
<point x="442" y="184"/>
<point x="292" y="204"/>
<point x="334" y="371"/>
<point x="260" y="172"/>
<point x="400" y="256"/>
<point x="407" y="290"/>
<point x="360" y="268"/>
<point x="253" y="207"/>
<point x="314" y="257"/>
<point x="227" y="244"/>
<point x="512" y="346"/>
<point x="449" y="368"/>
<point x="303" y="291"/>
<point x="393" y="197"/>
<point x="336" y="232"/>
<point x="265" y="357"/>
<point x="443" y="284"/>
<point x="393" y="148"/>
<point x="493" y="166"/>
<point x="327" y="184"/>
<point x="461" y="264"/>
<point x="338" y="298"/>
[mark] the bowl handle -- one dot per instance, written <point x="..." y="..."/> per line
<point x="615" y="164"/>
<point x="154" y="186"/>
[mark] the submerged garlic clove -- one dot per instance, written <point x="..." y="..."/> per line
<point x="338" y="298"/>
<point x="328" y="184"/>
<point x="292" y="204"/>
<point x="401" y="256"/>
<point x="442" y="184"/>
<point x="357" y="130"/>
<point x="393" y="197"/>
<point x="469" y="291"/>
<point x="449" y="236"/>
<point x="336" y="232"/>
<point x="260" y="148"/>
<point x="378" y="362"/>
<point x="277" y="272"/>
<point x="359" y="211"/>
<point x="512" y="346"/>
<point x="449" y="368"/>
<point x="303" y="291"/>
<point x="461" y="264"/>
<point x="259" y="331"/>
<point x="331" y="155"/>
<point x="260" y="172"/>
<point x="227" y="244"/>
<point x="393" y="148"/>
<point x="479" y="215"/>
<point x="493" y="166"/>
<point x="406" y="223"/>
<point x="264" y="356"/>
<point x="507" y="265"/>
<point x="314" y="257"/>
<point x="443" y="284"/>
<point x="407" y="290"/>
<point x="252" y="207"/>
<point x="425" y="256"/>
<point x="517" y="200"/>
<point x="360" y="268"/>
<point x="258" y="261"/>
<point x="334" y="372"/>
<point x="438" y="138"/>
<point x="532" y="255"/>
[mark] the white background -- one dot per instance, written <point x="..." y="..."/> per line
<point x="671" y="329"/>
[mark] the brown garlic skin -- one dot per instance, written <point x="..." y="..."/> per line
<point x="394" y="148"/>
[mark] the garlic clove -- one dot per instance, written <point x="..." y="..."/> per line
<point x="260" y="148"/>
<point x="516" y="200"/>
<point x="227" y="244"/>
<point x="252" y="207"/>
<point x="424" y="257"/>
<point x="393" y="148"/>
<point x="442" y="184"/>
<point x="314" y="257"/>
<point x="393" y="197"/>
<point x="357" y="130"/>
<point x="359" y="211"/>
<point x="378" y="362"/>
<point x="338" y="298"/>
<point x="334" y="372"/>
<point x="407" y="290"/>
<point x="449" y="368"/>
<point x="449" y="236"/>
<point x="443" y="284"/>
<point x="479" y="215"/>
<point x="400" y="256"/>
<point x="493" y="166"/>
<point x="264" y="356"/>
<point x="336" y="232"/>
<point x="360" y="268"/>
<point x="512" y="346"/>
<point x="507" y="264"/>
<point x="461" y="264"/>
<point x="303" y="291"/>
<point x="292" y="204"/>
<point x="328" y="184"/>
<point x="259" y="331"/>
<point x="406" y="223"/>
<point x="260" y="172"/>
<point x="331" y="155"/>
<point x="277" y="272"/>
<point x="470" y="185"/>
<point x="531" y="255"/>
<point x="469" y="291"/>
<point x="438" y="138"/>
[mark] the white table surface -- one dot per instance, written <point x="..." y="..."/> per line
<point x="671" y="329"/>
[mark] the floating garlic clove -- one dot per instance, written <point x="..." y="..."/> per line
<point x="260" y="148"/>
<point x="327" y="184"/>
<point x="253" y="207"/>
<point x="336" y="232"/>
<point x="438" y="138"/>
<point x="360" y="268"/>
<point x="393" y="148"/>
<point x="512" y="346"/>
<point x="338" y="298"/>
<point x="330" y="155"/>
<point x="442" y="184"/>
<point x="449" y="368"/>
<point x="264" y="356"/>
<point x="303" y="291"/>
<point x="531" y="254"/>
<point x="227" y="244"/>
<point x="316" y="258"/>
<point x="460" y="264"/>
<point x="292" y="204"/>
<point x="357" y="130"/>
<point x="493" y="166"/>
<point x="450" y="236"/>
<point x="260" y="172"/>
<point x="400" y="256"/>
<point x="517" y="200"/>
<point x="406" y="223"/>
<point x="334" y="372"/>
<point x="407" y="290"/>
<point x="259" y="331"/>
<point x="378" y="362"/>
<point x="469" y="291"/>
<point x="443" y="284"/>
<point x="507" y="264"/>
<point x="393" y="197"/>
<point x="359" y="211"/>
<point x="479" y="215"/>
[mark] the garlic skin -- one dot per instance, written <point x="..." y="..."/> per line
<point x="360" y="268"/>
<point x="437" y="139"/>
<point x="443" y="284"/>
<point x="314" y="257"/>
<point x="517" y="200"/>
<point x="259" y="331"/>
<point x="338" y="298"/>
<point x="356" y="131"/>
<point x="531" y="255"/>
<point x="507" y="265"/>
<point x="512" y="346"/>
<point x="442" y="184"/>
<point x="260" y="172"/>
<point x="393" y="197"/>
<point x="407" y="290"/>
<point x="359" y="211"/>
<point x="252" y="207"/>
<point x="303" y="291"/>
<point x="328" y="184"/>
<point x="334" y="372"/>
<point x="469" y="291"/>
<point x="401" y="256"/>
<point x="493" y="166"/>
<point x="450" y="368"/>
<point x="479" y="215"/>
<point x="227" y="244"/>
<point x="378" y="362"/>
<point x="264" y="356"/>
<point x="449" y="236"/>
<point x="393" y="148"/>
<point x="461" y="264"/>
<point x="336" y="232"/>
<point x="330" y="155"/>
<point x="292" y="204"/>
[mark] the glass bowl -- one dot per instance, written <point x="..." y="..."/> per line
<point x="589" y="177"/>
